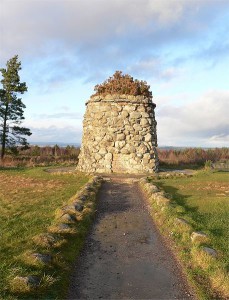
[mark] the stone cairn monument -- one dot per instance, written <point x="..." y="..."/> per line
<point x="119" y="128"/>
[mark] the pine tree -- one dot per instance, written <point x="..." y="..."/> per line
<point x="12" y="108"/>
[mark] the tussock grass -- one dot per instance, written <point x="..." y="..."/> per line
<point x="28" y="200"/>
<point x="202" y="201"/>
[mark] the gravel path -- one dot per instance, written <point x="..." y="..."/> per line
<point x="124" y="256"/>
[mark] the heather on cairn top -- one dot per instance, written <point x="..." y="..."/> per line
<point x="123" y="84"/>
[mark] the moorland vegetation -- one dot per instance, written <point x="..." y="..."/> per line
<point x="68" y="156"/>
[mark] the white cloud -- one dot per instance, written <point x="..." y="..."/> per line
<point x="59" y="123"/>
<point x="79" y="38"/>
<point x="204" y="121"/>
<point x="60" y="115"/>
<point x="220" y="140"/>
<point x="154" y="68"/>
<point x="67" y="134"/>
<point x="54" y="129"/>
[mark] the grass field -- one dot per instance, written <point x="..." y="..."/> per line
<point x="28" y="199"/>
<point x="204" y="199"/>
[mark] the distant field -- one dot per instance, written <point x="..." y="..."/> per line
<point x="205" y="198"/>
<point x="28" y="199"/>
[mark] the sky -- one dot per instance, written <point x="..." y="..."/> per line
<point x="66" y="47"/>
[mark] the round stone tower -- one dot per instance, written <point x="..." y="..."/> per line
<point x="119" y="135"/>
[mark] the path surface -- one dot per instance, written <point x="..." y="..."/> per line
<point x="124" y="256"/>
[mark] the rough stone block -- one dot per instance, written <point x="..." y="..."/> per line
<point x="120" y="137"/>
<point x="198" y="237"/>
<point x="124" y="114"/>
<point x="148" y="137"/>
<point x="43" y="258"/>
<point x="135" y="115"/>
<point x="108" y="156"/>
<point x="209" y="251"/>
<point x="102" y="151"/>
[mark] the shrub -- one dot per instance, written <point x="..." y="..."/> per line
<point x="208" y="164"/>
<point x="123" y="84"/>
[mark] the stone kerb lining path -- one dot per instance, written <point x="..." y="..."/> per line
<point x="124" y="256"/>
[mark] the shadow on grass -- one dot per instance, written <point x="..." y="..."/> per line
<point x="217" y="232"/>
<point x="201" y="219"/>
<point x="168" y="167"/>
<point x="180" y="200"/>
<point x="2" y="168"/>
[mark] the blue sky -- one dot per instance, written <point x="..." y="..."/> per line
<point x="180" y="47"/>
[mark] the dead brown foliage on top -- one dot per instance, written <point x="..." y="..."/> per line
<point x="123" y="84"/>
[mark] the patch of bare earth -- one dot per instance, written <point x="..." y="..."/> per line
<point x="124" y="256"/>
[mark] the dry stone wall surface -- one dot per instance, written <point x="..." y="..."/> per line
<point x="119" y="135"/>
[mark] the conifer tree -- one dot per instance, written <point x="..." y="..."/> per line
<point x="12" y="108"/>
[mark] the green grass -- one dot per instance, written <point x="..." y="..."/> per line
<point x="203" y="200"/>
<point x="206" y="200"/>
<point x="28" y="199"/>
